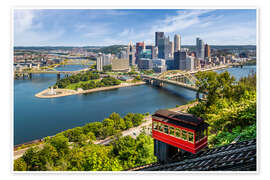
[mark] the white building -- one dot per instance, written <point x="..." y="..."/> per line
<point x="190" y="63"/>
<point x="177" y="42"/>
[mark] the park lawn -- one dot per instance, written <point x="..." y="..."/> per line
<point x="74" y="86"/>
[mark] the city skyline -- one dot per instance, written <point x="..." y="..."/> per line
<point x="93" y="27"/>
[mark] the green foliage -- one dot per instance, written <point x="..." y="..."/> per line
<point x="107" y="68"/>
<point x="226" y="137"/>
<point x="64" y="82"/>
<point x="110" y="81"/>
<point x="147" y="72"/>
<point x="133" y="152"/>
<point x="19" y="165"/>
<point x="73" y="150"/>
<point x="230" y="107"/>
<point x="114" y="49"/>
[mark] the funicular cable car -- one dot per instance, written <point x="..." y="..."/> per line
<point x="177" y="131"/>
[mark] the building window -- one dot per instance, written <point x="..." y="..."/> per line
<point x="166" y="129"/>
<point x="177" y="132"/>
<point x="190" y="137"/>
<point x="184" y="135"/>
<point x="172" y="131"/>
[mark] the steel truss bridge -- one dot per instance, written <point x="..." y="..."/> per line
<point x="185" y="79"/>
<point x="176" y="77"/>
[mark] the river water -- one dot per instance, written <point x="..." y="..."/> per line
<point x="36" y="118"/>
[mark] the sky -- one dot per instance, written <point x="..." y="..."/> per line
<point x="103" y="27"/>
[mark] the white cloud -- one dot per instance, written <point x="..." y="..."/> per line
<point x="23" y="20"/>
<point x="28" y="29"/>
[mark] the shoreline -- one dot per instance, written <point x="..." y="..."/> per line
<point x="69" y="92"/>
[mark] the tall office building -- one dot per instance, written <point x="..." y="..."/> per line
<point x="99" y="63"/>
<point x="167" y="48"/>
<point x="207" y="51"/>
<point x="140" y="46"/>
<point x="177" y="42"/>
<point x="180" y="60"/>
<point x="131" y="54"/>
<point x="159" y="35"/>
<point x="200" y="48"/>
<point x="171" y="49"/>
<point x="190" y="63"/>
<point x="155" y="53"/>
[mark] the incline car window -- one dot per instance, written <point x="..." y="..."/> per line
<point x="177" y="132"/>
<point x="190" y="137"/>
<point x="172" y="131"/>
<point x="184" y="135"/>
<point x="155" y="125"/>
<point x="160" y="127"/>
<point x="166" y="129"/>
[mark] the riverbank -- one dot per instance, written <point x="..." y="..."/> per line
<point x="69" y="92"/>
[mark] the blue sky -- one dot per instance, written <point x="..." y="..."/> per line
<point x="89" y="27"/>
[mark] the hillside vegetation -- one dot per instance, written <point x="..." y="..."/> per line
<point x="230" y="107"/>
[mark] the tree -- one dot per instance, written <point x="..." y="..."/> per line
<point x="48" y="157"/>
<point x="31" y="158"/>
<point x="128" y="121"/>
<point x="94" y="127"/>
<point x="19" y="165"/>
<point x="137" y="119"/>
<point x="214" y="85"/>
<point x="119" y="122"/>
<point x="60" y="142"/>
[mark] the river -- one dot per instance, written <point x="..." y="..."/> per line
<point x="36" y="118"/>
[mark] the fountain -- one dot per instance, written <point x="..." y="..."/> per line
<point x="51" y="91"/>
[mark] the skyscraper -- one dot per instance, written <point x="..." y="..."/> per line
<point x="177" y="42"/>
<point x="159" y="35"/>
<point x="180" y="60"/>
<point x="207" y="51"/>
<point x="171" y="48"/>
<point x="167" y="48"/>
<point x="131" y="53"/>
<point x="200" y="48"/>
<point x="99" y="63"/>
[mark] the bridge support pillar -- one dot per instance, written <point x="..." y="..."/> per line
<point x="58" y="76"/>
<point x="157" y="83"/>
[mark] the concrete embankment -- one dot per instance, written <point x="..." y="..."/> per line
<point x="68" y="92"/>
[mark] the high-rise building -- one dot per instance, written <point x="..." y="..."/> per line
<point x="145" y="63"/>
<point x="159" y="35"/>
<point x="207" y="51"/>
<point x="167" y="48"/>
<point x="155" y="53"/>
<point x="190" y="63"/>
<point x="140" y="46"/>
<point x="99" y="63"/>
<point x="171" y="49"/>
<point x="177" y="42"/>
<point x="200" y="48"/>
<point x="120" y="65"/>
<point x="180" y="59"/>
<point x="131" y="54"/>
<point x="106" y="59"/>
